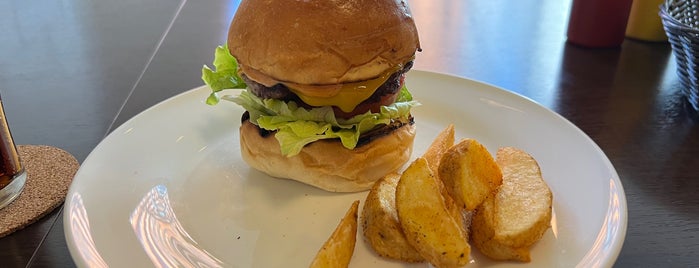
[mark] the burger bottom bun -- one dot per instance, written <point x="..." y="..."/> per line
<point x="326" y="164"/>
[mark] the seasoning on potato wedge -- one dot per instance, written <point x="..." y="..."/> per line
<point x="339" y="248"/>
<point x="483" y="233"/>
<point x="433" y="155"/>
<point x="469" y="173"/>
<point x="381" y="228"/>
<point x="425" y="219"/>
<point x="442" y="143"/>
<point x="511" y="220"/>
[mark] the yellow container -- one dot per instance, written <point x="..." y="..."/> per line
<point x="644" y="22"/>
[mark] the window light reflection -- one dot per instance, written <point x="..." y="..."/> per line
<point x="162" y="236"/>
<point x="614" y="226"/>
<point x="80" y="229"/>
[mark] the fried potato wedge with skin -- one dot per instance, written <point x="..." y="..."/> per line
<point x="381" y="228"/>
<point x="426" y="221"/>
<point x="483" y="233"/>
<point x="433" y="155"/>
<point x="469" y="173"/>
<point x="524" y="201"/>
<point x="442" y="143"/>
<point x="514" y="218"/>
<point x="460" y="216"/>
<point x="337" y="251"/>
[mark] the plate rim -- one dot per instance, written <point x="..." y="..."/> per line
<point x="594" y="256"/>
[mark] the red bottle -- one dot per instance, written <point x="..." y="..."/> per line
<point x="598" y="23"/>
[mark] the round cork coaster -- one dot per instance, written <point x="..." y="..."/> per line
<point x="50" y="171"/>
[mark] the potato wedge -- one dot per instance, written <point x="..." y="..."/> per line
<point x="524" y="200"/>
<point x="337" y="251"/>
<point x="440" y="144"/>
<point x="433" y="155"/>
<point x="425" y="219"/>
<point x="381" y="228"/>
<point x="483" y="231"/>
<point x="469" y="173"/>
<point x="506" y="225"/>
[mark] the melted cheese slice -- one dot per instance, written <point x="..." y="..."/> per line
<point x="345" y="96"/>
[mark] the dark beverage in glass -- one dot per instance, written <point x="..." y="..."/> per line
<point x="12" y="174"/>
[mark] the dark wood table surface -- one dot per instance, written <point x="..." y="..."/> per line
<point x="71" y="71"/>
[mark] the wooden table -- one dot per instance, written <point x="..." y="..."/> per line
<point x="71" y="71"/>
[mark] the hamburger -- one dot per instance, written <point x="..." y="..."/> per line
<point x="322" y="85"/>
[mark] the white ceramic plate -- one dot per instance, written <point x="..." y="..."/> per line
<point x="168" y="188"/>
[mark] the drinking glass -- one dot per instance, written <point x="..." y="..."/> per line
<point x="12" y="173"/>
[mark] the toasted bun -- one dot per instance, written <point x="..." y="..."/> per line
<point x="326" y="164"/>
<point x="321" y="42"/>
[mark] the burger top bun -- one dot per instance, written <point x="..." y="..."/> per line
<point x="321" y="41"/>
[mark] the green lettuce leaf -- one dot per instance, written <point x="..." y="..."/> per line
<point x="404" y="95"/>
<point x="224" y="77"/>
<point x="297" y="126"/>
